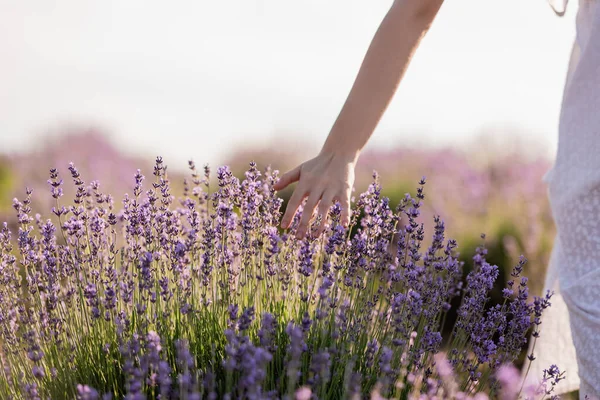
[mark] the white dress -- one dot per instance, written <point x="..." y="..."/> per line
<point x="570" y="331"/>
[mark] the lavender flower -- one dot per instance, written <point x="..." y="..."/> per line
<point x="85" y="392"/>
<point x="267" y="333"/>
<point x="156" y="298"/>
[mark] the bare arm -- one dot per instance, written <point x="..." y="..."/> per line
<point x="382" y="69"/>
<point x="329" y="176"/>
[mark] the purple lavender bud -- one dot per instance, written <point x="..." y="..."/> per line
<point x="253" y="364"/>
<point x="431" y="341"/>
<point x="184" y="357"/>
<point x="336" y="239"/>
<point x="55" y="184"/>
<point x="385" y="368"/>
<point x="233" y="312"/>
<point x="524" y="281"/>
<point x="90" y="292"/>
<point x="267" y="332"/>
<point x="372" y="348"/>
<point x="541" y="303"/>
<point x="164" y="379"/>
<point x="325" y="286"/>
<point x="296" y="347"/>
<point x="246" y="319"/>
<point x="320" y="367"/>
<point x="85" y="392"/>
<point x="385" y="360"/>
<point x="38" y="372"/>
<point x="306" y="323"/>
<point x="186" y="378"/>
<point x="180" y="249"/>
<point x="518" y="269"/>
<point x="31" y="392"/>
<point x="35" y="355"/>
<point x="185" y="308"/>
<point x="231" y="351"/>
<point x="306" y="258"/>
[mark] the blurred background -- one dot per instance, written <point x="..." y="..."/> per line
<point x="110" y="85"/>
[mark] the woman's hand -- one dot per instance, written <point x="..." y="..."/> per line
<point x="329" y="176"/>
<point x="325" y="179"/>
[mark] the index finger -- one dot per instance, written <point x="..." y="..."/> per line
<point x="292" y="206"/>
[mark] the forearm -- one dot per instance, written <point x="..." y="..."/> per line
<point x="381" y="71"/>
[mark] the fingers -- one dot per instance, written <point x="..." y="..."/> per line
<point x="287" y="178"/>
<point x="307" y="213"/>
<point x="345" y="204"/>
<point x="292" y="207"/>
<point x="324" y="200"/>
<point x="324" y="206"/>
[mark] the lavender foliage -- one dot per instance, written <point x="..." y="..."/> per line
<point x="203" y="296"/>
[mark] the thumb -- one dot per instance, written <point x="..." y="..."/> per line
<point x="287" y="178"/>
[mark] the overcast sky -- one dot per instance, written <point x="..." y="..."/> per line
<point x="195" y="78"/>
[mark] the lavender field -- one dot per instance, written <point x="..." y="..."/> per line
<point x="153" y="283"/>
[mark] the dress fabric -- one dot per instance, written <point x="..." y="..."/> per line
<point x="570" y="330"/>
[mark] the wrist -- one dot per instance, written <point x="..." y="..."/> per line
<point x="340" y="153"/>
